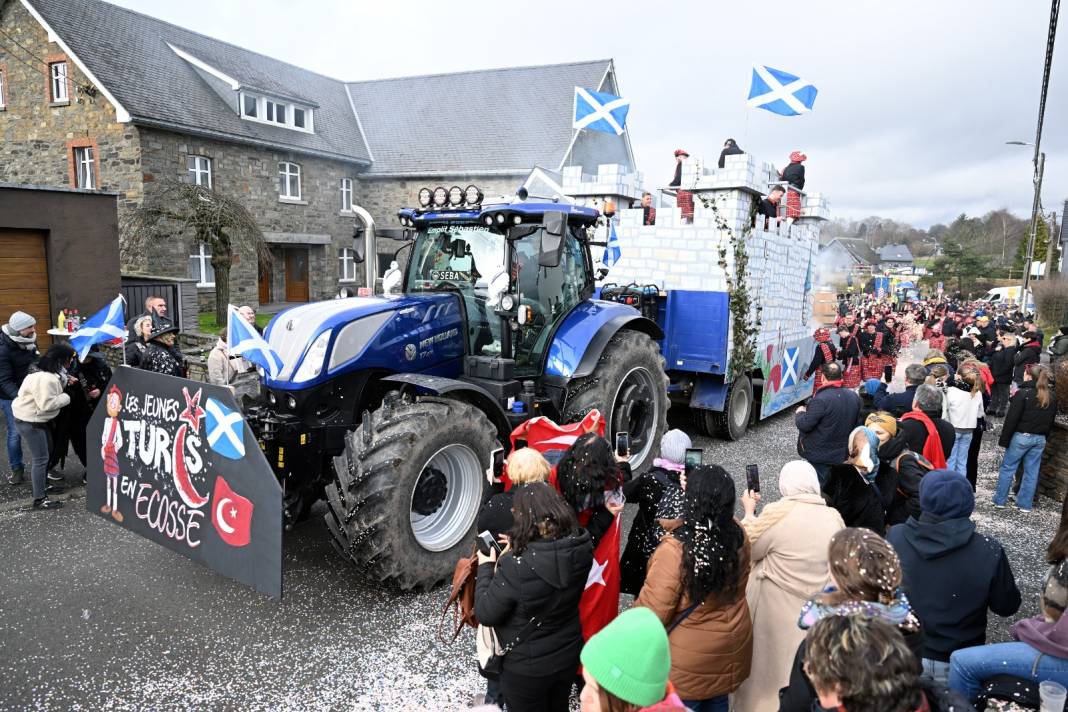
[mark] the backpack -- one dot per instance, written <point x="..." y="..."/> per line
<point x="922" y="461"/>
<point x="461" y="598"/>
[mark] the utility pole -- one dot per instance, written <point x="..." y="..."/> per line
<point x="1051" y="247"/>
<point x="1036" y="207"/>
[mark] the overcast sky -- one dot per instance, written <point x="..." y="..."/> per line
<point x="916" y="98"/>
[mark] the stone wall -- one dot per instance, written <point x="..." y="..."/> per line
<point x="250" y="174"/>
<point x="36" y="134"/>
<point x="1053" y="477"/>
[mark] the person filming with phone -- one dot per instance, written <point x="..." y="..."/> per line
<point x="592" y="477"/>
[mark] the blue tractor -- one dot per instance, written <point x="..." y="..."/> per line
<point x="390" y="406"/>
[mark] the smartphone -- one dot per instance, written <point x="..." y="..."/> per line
<point x="694" y="456"/>
<point x="623" y="444"/>
<point x="752" y="478"/>
<point x="888" y="373"/>
<point x="486" y="543"/>
<point x="496" y="468"/>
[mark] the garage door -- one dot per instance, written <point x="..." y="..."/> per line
<point x="24" y="279"/>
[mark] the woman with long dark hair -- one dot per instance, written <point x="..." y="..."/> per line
<point x="696" y="587"/>
<point x="531" y="598"/>
<point x="587" y="470"/>
<point x="1032" y="410"/>
<point x="40" y="399"/>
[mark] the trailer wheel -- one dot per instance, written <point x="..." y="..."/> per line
<point x="629" y="387"/>
<point x="732" y="423"/>
<point x="407" y="490"/>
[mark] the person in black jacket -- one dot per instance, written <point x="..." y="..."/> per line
<point x="1002" y="361"/>
<point x="794" y="175"/>
<point x="531" y="599"/>
<point x="768" y="209"/>
<point x="136" y="345"/>
<point x="901" y="403"/>
<point x="824" y="352"/>
<point x="18" y="351"/>
<point x="952" y="573"/>
<point x="730" y="148"/>
<point x="587" y="470"/>
<point x="900" y="469"/>
<point x="851" y="487"/>
<point x="825" y="423"/>
<point x="161" y="354"/>
<point x="928" y="402"/>
<point x="1032" y="410"/>
<point x="647" y="491"/>
<point x="1029" y="353"/>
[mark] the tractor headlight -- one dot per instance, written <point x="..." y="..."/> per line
<point x="472" y="195"/>
<point x="456" y="196"/>
<point x="424" y="198"/>
<point x="500" y="218"/>
<point x="271" y="399"/>
<point x="488" y="220"/>
<point x="312" y="365"/>
<point x="440" y="196"/>
<point x="508" y="302"/>
<point x="517" y="219"/>
<point x="291" y="402"/>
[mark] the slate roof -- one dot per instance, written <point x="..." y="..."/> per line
<point x="895" y="253"/>
<point x="859" y="249"/>
<point x="129" y="54"/>
<point x="498" y="120"/>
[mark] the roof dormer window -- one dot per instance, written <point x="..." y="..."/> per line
<point x="276" y="112"/>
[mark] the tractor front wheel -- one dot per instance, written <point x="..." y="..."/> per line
<point x="408" y="487"/>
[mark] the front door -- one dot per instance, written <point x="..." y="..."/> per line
<point x="24" y="279"/>
<point x="297" y="275"/>
<point x="265" y="284"/>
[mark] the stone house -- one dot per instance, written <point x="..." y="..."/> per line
<point x="93" y="96"/>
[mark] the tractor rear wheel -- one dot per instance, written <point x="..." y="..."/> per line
<point x="629" y="387"/>
<point x="732" y="423"/>
<point x="408" y="487"/>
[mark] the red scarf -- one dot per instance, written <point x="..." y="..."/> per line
<point x="826" y="350"/>
<point x="932" y="449"/>
<point x="831" y="384"/>
<point x="878" y="345"/>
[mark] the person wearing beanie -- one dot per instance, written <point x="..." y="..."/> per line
<point x="648" y="492"/>
<point x="952" y="573"/>
<point x="790" y="541"/>
<point x="18" y="350"/>
<point x="1058" y="348"/>
<point x="1039" y="651"/>
<point x="626" y="664"/>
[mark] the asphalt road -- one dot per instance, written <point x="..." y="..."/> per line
<point x="93" y="617"/>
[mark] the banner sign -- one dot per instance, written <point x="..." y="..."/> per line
<point x="177" y="464"/>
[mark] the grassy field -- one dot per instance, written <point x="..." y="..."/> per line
<point x="207" y="323"/>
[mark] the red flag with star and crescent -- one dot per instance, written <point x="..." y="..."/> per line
<point x="600" y="601"/>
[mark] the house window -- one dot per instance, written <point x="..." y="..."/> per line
<point x="276" y="112"/>
<point x="84" y="168"/>
<point x="346" y="259"/>
<point x="249" y="105"/>
<point x="57" y="72"/>
<point x="346" y="195"/>
<point x="289" y="181"/>
<point x="199" y="170"/>
<point x="298" y="118"/>
<point x="200" y="267"/>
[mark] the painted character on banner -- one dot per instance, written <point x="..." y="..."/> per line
<point x="111" y="444"/>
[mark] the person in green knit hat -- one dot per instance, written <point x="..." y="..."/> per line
<point x="626" y="667"/>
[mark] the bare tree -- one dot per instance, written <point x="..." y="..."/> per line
<point x="223" y="224"/>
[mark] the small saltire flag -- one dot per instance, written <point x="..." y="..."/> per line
<point x="612" y="252"/>
<point x="599" y="111"/>
<point x="225" y="429"/>
<point x="107" y="324"/>
<point x="780" y="92"/>
<point x="245" y="341"/>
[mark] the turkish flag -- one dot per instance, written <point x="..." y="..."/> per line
<point x="231" y="514"/>
<point x="600" y="601"/>
<point x="551" y="440"/>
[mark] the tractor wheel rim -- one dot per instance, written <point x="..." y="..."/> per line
<point x="636" y="410"/>
<point x="450" y="521"/>
<point x="739" y="407"/>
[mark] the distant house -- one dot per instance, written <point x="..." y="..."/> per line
<point x="849" y="255"/>
<point x="895" y="257"/>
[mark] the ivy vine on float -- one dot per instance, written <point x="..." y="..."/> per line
<point x="743" y="307"/>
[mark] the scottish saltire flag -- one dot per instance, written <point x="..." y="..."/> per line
<point x="598" y="111"/>
<point x="225" y="430"/>
<point x="107" y="324"/>
<point x="780" y="92"/>
<point x="245" y="341"/>
<point x="612" y="252"/>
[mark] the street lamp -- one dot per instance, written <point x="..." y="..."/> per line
<point x="1040" y="163"/>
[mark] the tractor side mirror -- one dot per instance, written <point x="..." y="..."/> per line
<point x="459" y="248"/>
<point x="552" y="238"/>
<point x="359" y="253"/>
<point x="602" y="273"/>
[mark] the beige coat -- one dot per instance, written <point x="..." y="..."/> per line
<point x="221" y="368"/>
<point x="40" y="398"/>
<point x="789" y="540"/>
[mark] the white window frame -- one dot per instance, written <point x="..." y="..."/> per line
<point x="203" y="257"/>
<point x="347" y="265"/>
<point x="288" y="169"/>
<point x="346" y="196"/>
<point x="84" y="168"/>
<point x="262" y="103"/>
<point x="58" y="75"/>
<point x="3" y="90"/>
<point x="199" y="170"/>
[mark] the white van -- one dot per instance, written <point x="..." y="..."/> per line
<point x="1008" y="295"/>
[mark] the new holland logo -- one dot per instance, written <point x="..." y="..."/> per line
<point x="409" y="352"/>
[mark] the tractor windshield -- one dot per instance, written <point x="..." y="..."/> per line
<point x="464" y="259"/>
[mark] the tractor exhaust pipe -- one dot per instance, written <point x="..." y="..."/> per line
<point x="370" y="249"/>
